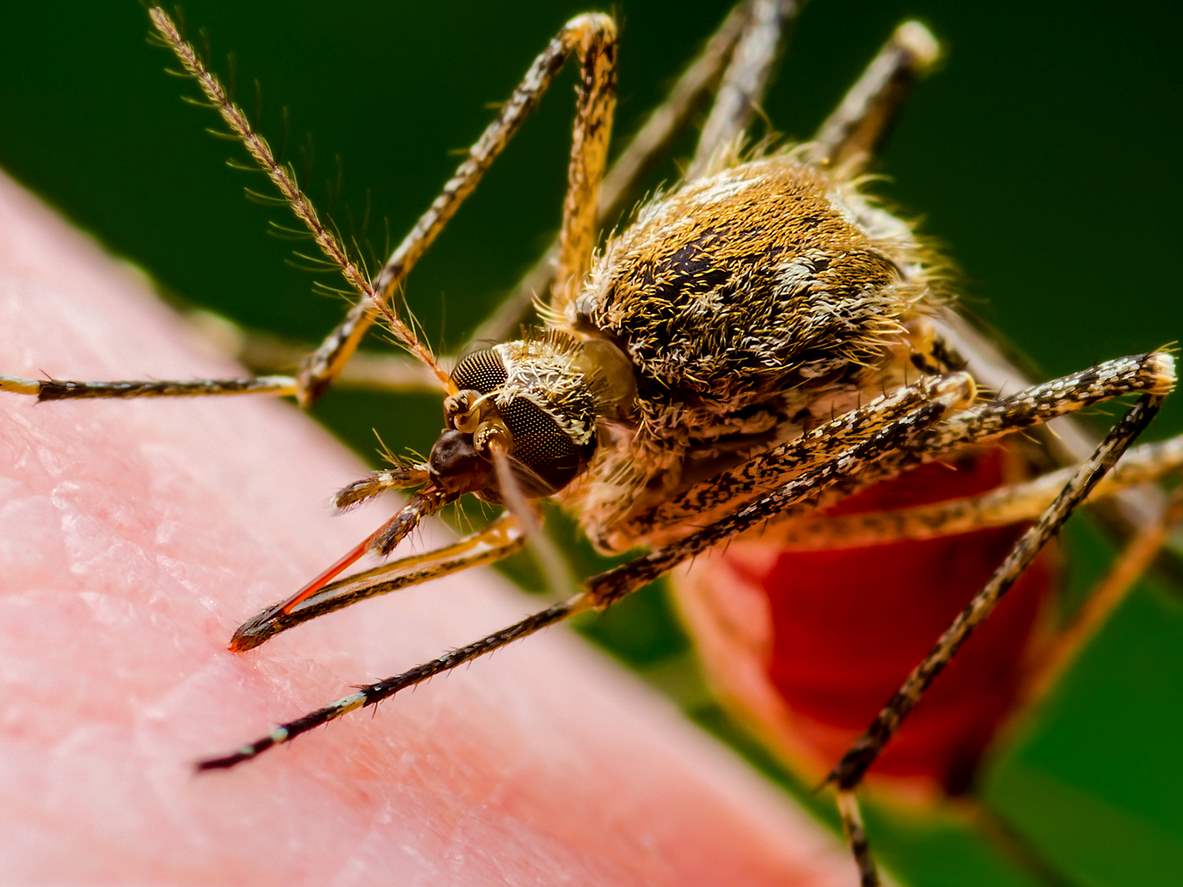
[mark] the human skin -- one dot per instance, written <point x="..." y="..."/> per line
<point x="135" y="536"/>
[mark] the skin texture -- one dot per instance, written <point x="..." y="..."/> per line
<point x="135" y="536"/>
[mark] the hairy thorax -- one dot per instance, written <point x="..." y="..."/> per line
<point x="750" y="303"/>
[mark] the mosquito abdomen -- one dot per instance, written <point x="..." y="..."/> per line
<point x="815" y="640"/>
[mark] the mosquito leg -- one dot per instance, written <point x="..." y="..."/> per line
<point x="1003" y="506"/>
<point x="669" y="118"/>
<point x="605" y="589"/>
<point x="1038" y="404"/>
<point x="499" y="540"/>
<point x="372" y="694"/>
<point x="1152" y="373"/>
<point x="856" y="837"/>
<point x="258" y="350"/>
<point x="282" y="177"/>
<point x="848" y="772"/>
<point x="746" y="79"/>
<point x="655" y="135"/>
<point x="863" y="119"/>
<point x="60" y="389"/>
<point x="391" y="372"/>
<point x="592" y="38"/>
<point x="1066" y="441"/>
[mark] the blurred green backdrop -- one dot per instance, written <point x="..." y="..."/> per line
<point x="1044" y="153"/>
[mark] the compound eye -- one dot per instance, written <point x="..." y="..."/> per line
<point x="543" y="447"/>
<point x="481" y="371"/>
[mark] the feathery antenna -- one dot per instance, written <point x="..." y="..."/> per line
<point x="284" y="180"/>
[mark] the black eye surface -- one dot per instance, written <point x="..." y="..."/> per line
<point x="481" y="371"/>
<point x="542" y="446"/>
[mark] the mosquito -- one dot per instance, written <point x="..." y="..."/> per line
<point x="763" y="370"/>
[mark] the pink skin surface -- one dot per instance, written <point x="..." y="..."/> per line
<point x="135" y="536"/>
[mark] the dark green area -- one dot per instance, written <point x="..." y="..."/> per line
<point x="1044" y="153"/>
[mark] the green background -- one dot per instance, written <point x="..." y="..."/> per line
<point x="1044" y="154"/>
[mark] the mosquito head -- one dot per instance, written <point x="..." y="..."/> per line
<point x="538" y="401"/>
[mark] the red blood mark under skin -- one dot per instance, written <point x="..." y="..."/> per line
<point x="848" y="626"/>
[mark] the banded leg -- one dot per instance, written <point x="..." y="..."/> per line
<point x="610" y="586"/>
<point x="1152" y="373"/>
<point x="592" y="38"/>
<point x="500" y="539"/>
<point x="1066" y="441"/>
<point x="1003" y="506"/>
<point x="1030" y="407"/>
<point x="849" y="771"/>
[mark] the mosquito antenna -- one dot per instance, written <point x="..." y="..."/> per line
<point x="282" y="176"/>
<point x="555" y="570"/>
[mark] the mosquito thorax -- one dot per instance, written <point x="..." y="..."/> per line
<point x="764" y="280"/>
<point x="542" y="399"/>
